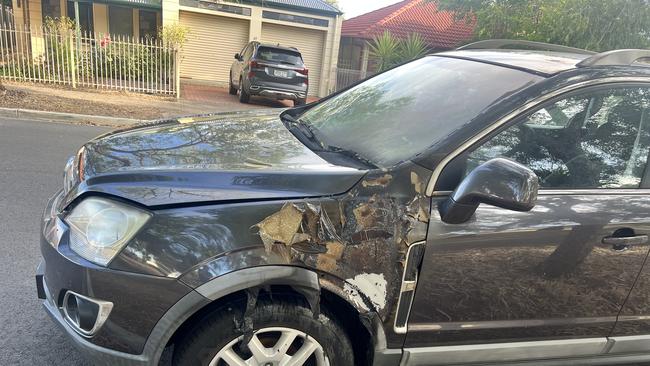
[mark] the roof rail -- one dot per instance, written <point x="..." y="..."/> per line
<point x="615" y="58"/>
<point x="521" y="44"/>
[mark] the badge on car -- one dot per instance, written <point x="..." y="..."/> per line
<point x="281" y="73"/>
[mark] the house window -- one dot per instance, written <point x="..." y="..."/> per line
<point x="85" y="15"/>
<point x="120" y="21"/>
<point x="295" y="18"/>
<point x="51" y="9"/>
<point x="148" y="23"/>
<point x="224" y="8"/>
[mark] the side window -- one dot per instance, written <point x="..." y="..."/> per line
<point x="249" y="51"/>
<point x="595" y="140"/>
<point x="244" y="50"/>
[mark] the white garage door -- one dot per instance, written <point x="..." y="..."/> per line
<point x="211" y="45"/>
<point x="309" y="42"/>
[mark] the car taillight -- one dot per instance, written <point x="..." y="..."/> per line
<point x="252" y="66"/>
<point x="305" y="72"/>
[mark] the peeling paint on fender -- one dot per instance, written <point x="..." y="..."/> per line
<point x="372" y="285"/>
<point x="382" y="181"/>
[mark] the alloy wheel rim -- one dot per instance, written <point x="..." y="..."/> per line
<point x="275" y="346"/>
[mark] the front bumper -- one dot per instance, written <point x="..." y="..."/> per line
<point x="140" y="301"/>
<point x="99" y="355"/>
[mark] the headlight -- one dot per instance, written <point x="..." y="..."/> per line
<point x="100" y="228"/>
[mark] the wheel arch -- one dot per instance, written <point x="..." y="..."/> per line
<point x="317" y="289"/>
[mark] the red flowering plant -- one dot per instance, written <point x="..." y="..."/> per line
<point x="105" y="41"/>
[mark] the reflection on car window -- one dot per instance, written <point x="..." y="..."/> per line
<point x="397" y="114"/>
<point x="558" y="114"/>
<point x="597" y="140"/>
<point x="278" y="55"/>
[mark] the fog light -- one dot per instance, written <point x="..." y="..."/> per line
<point x="85" y="315"/>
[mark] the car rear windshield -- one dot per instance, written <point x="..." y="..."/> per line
<point x="400" y="113"/>
<point x="279" y="55"/>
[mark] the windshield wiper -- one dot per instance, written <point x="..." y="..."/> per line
<point x="303" y="131"/>
<point x="351" y="154"/>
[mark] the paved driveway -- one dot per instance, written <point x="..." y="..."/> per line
<point x="32" y="156"/>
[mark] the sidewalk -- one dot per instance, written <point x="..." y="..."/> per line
<point x="195" y="99"/>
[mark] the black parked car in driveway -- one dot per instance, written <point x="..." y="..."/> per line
<point x="483" y="205"/>
<point x="271" y="71"/>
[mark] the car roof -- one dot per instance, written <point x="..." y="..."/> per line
<point x="547" y="59"/>
<point x="545" y="63"/>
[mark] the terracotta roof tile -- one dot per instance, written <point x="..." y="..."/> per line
<point x="438" y="28"/>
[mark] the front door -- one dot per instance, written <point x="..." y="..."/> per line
<point x="554" y="278"/>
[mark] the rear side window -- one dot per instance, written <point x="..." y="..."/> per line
<point x="280" y="56"/>
<point x="248" y="51"/>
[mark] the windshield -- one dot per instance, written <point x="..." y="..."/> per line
<point x="278" y="55"/>
<point x="398" y="114"/>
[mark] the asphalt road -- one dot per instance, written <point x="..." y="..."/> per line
<point x="32" y="156"/>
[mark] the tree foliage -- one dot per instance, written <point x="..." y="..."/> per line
<point x="597" y="25"/>
<point x="389" y="51"/>
<point x="174" y="34"/>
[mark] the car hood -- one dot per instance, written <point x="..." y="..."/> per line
<point x="214" y="158"/>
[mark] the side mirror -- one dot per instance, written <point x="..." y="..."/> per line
<point x="498" y="182"/>
<point x="237" y="57"/>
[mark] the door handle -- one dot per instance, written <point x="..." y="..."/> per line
<point x="626" y="241"/>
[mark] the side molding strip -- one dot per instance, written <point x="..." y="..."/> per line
<point x="630" y="344"/>
<point x="504" y="352"/>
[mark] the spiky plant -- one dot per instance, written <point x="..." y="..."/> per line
<point x="413" y="47"/>
<point x="385" y="49"/>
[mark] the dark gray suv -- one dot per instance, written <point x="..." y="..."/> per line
<point x="270" y="71"/>
<point x="478" y="206"/>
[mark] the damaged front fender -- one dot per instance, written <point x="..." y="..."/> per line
<point x="357" y="240"/>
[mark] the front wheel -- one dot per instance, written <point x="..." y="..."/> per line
<point x="286" y="333"/>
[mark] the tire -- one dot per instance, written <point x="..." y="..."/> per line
<point x="299" y="102"/>
<point x="231" y="88"/>
<point x="218" y="332"/>
<point x="244" y="97"/>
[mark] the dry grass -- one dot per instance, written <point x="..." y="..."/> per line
<point x="25" y="100"/>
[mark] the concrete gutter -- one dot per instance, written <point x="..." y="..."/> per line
<point x="71" y="118"/>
